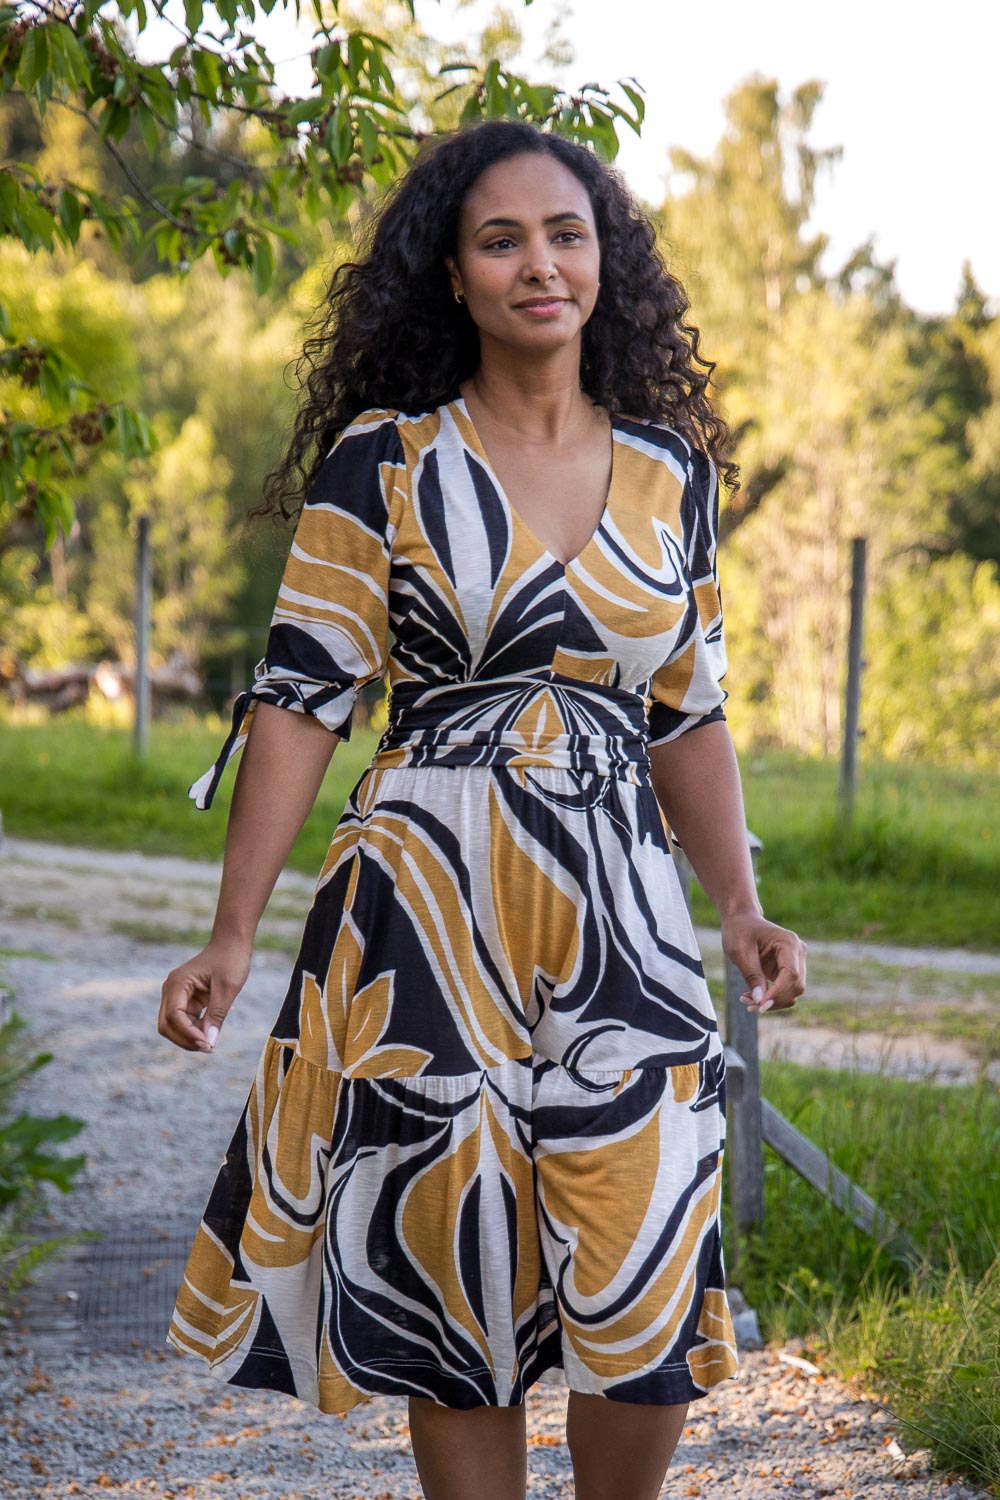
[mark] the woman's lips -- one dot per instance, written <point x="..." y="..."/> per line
<point x="549" y="309"/>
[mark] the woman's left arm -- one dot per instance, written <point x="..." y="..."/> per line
<point x="696" y="779"/>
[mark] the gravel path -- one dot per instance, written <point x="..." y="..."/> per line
<point x="87" y="939"/>
<point x="149" y="1427"/>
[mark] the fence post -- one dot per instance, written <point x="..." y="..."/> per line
<point x="744" y="1143"/>
<point x="852" y="691"/>
<point x="143" y="593"/>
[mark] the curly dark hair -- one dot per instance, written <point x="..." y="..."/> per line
<point x="390" y="333"/>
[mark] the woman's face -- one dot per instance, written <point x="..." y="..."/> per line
<point x="526" y="231"/>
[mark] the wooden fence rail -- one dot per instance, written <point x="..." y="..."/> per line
<point x="753" y="1122"/>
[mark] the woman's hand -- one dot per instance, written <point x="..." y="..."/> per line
<point x="771" y="959"/>
<point x="197" y="995"/>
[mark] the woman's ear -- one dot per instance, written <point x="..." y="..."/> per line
<point x="451" y="266"/>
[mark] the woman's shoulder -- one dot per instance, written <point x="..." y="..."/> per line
<point x="405" y="419"/>
<point x="661" y="441"/>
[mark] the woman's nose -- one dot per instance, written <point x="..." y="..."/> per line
<point x="539" y="264"/>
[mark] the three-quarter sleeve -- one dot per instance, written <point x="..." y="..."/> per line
<point x="686" y="691"/>
<point x="329" y="633"/>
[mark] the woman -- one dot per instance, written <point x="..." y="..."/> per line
<point x="486" y="1132"/>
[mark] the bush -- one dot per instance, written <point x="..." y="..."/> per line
<point x="26" y="1162"/>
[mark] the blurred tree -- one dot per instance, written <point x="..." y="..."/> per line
<point x="733" y="228"/>
<point x="854" y="415"/>
<point x="182" y="489"/>
<point x="271" y="158"/>
<point x="866" y="454"/>
<point x="967" y="347"/>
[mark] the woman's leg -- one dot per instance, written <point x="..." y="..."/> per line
<point x="459" y="1455"/>
<point x="620" y="1449"/>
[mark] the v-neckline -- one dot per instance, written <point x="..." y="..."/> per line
<point x="514" y="516"/>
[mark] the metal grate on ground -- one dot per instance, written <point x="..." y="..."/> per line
<point x="114" y="1295"/>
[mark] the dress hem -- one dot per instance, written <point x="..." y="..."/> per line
<point x="687" y="1392"/>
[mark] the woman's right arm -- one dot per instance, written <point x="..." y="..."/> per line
<point x="283" y="763"/>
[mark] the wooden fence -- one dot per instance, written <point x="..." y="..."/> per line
<point x="753" y="1122"/>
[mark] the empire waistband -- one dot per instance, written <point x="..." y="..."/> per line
<point x="517" y="722"/>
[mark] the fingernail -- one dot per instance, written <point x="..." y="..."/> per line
<point x="212" y="1035"/>
<point x="767" y="1005"/>
<point x="758" y="994"/>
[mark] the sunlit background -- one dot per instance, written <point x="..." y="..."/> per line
<point x="909" y="94"/>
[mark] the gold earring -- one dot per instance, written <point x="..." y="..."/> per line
<point x="459" y="296"/>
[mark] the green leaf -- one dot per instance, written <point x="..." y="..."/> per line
<point x="636" y="99"/>
<point x="311" y="201"/>
<point x="27" y="1132"/>
<point x="263" y="265"/>
<point x="149" y="128"/>
<point x="34" y="57"/>
<point x="326" y="60"/>
<point x="70" y="213"/>
<point x="356" y="53"/>
<point x="121" y="119"/>
<point x="369" y="134"/>
<point x="9" y="473"/>
<point x="206" y="71"/>
<point x="305" y="109"/>
<point x="194" y="11"/>
<point x="69" y="61"/>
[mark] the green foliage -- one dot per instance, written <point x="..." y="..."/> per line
<point x="854" y="416"/>
<point x="934" y="1354"/>
<point x="81" y="422"/>
<point x="25" y="1159"/>
<point x="927" y="1339"/>
<point x="216" y="407"/>
<point x="296" y="161"/>
<point x="27" y="1162"/>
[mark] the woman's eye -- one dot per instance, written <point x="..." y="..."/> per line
<point x="506" y="239"/>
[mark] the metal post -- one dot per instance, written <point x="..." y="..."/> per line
<point x="143" y="596"/>
<point x="852" y="700"/>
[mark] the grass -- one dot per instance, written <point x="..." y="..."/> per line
<point x="934" y="1353"/>
<point x="926" y="1341"/>
<point x="920" y="864"/>
<point x="71" y="782"/>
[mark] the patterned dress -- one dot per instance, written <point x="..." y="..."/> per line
<point x="485" y="1135"/>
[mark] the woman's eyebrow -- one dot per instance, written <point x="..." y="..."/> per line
<point x="516" y="223"/>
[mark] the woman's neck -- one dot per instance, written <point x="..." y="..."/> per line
<point x="550" y="412"/>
